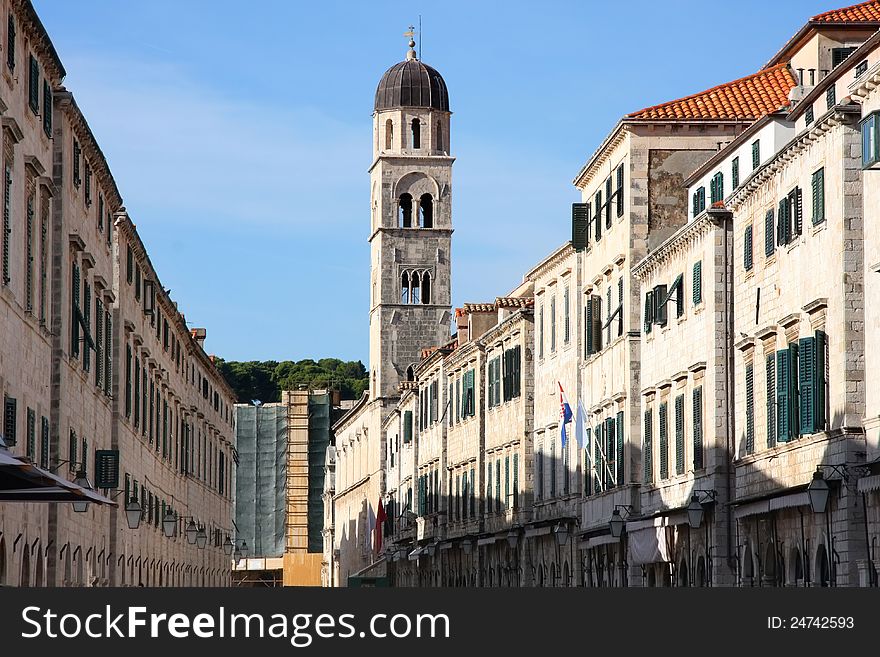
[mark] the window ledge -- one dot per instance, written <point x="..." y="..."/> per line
<point x="699" y="307"/>
<point x="818" y="228"/>
<point x="770" y="259"/>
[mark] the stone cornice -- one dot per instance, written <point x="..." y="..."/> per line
<point x="551" y="261"/>
<point x="65" y="101"/>
<point x="680" y="241"/>
<point x="32" y="27"/>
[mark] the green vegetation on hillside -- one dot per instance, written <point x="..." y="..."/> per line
<point x="265" y="380"/>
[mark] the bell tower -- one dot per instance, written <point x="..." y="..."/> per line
<point x="411" y="221"/>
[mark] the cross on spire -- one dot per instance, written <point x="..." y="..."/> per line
<point x="410" y="33"/>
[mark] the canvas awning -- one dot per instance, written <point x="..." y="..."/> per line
<point x="868" y="484"/>
<point x="22" y="481"/>
<point x="772" y="504"/>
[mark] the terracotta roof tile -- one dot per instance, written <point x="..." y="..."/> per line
<point x="864" y="12"/>
<point x="514" y="302"/>
<point x="478" y="307"/>
<point x="750" y="97"/>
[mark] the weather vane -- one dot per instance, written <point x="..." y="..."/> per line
<point x="410" y="33"/>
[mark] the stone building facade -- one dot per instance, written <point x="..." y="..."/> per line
<point x="709" y="328"/>
<point x="101" y="376"/>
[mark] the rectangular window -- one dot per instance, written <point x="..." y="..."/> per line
<point x="44" y="256"/>
<point x="870" y="126"/>
<point x="861" y="67"/>
<point x="85" y="318"/>
<point x="734" y="173"/>
<point x="620" y="441"/>
<point x="699" y="201"/>
<point x="598" y="461"/>
<point x="489" y="491"/>
<point x="796" y="208"/>
<point x="608" y="197"/>
<point x="664" y="441"/>
<point x="831" y="97"/>
<point x="769" y="233"/>
<point x="697" y="285"/>
<point x="127" y="381"/>
<point x="541" y="331"/>
<point x="698" y="428"/>
<point x="552" y="323"/>
<point x="580" y="225"/>
<point x="77" y="157"/>
<point x="756" y="153"/>
<point x="750" y="409"/>
<point x="34" y="85"/>
<point x="87" y="186"/>
<point x="747" y="249"/>
<point x="566" y="326"/>
<point x="648" y="447"/>
<point x="74" y="311"/>
<point x="770" y="368"/>
<point x="47" y="108"/>
<point x="7" y="219"/>
<point x="31" y="446"/>
<point x="108" y="353"/>
<point x="716" y="188"/>
<point x="10" y="416"/>
<point x="29" y="256"/>
<point x="45" y="444"/>
<point x="619" y="191"/>
<point x="808" y="115"/>
<point x="679" y="434"/>
<point x="593" y="322"/>
<point x="811" y="383"/>
<point x="137" y="282"/>
<point x="649" y="310"/>
<point x="129" y="265"/>
<point x="72" y="446"/>
<point x="818" y="185"/>
<point x="507" y="481"/>
<point x="553" y="468"/>
<point x="99" y="342"/>
<point x="10" y="42"/>
<point x="515" y="485"/>
<point x="598" y="217"/>
<point x="840" y="54"/>
<point x="473" y="501"/>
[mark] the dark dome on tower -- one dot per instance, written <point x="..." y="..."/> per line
<point x="412" y="83"/>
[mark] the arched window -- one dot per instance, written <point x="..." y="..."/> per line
<point x="405" y="208"/>
<point x="438" y="137"/>
<point x="748" y="567"/>
<point x="389" y="135"/>
<point x="652" y="577"/>
<point x="426" y="287"/>
<point x="426" y="211"/>
<point x="416" y="133"/>
<point x="683" y="573"/>
<point x="25" y="567"/>
<point x="565" y="574"/>
<point x="701" y="572"/>
<point x="797" y="567"/>
<point x="770" y="577"/>
<point x="404" y="288"/>
<point x="823" y="569"/>
<point x="414" y="291"/>
<point x="410" y="373"/>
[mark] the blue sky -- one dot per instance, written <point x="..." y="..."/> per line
<point x="239" y="135"/>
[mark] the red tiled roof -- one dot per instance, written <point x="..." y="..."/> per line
<point x="750" y="97"/>
<point x="514" y="302"/>
<point x="479" y="307"/>
<point x="864" y="12"/>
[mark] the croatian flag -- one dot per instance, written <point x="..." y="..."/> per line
<point x="564" y="412"/>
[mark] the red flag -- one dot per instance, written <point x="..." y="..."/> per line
<point x="380" y="524"/>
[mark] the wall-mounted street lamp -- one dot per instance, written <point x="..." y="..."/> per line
<point x="192" y="532"/>
<point x="618" y="521"/>
<point x="696" y="510"/>
<point x="201" y="538"/>
<point x="169" y="524"/>
<point x="467" y="545"/>
<point x="819" y="490"/>
<point x="513" y="538"/>
<point x="228" y="546"/>
<point x="133" y="513"/>
<point x="83" y="482"/>
<point x="560" y="531"/>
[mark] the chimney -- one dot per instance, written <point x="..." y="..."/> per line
<point x="199" y="335"/>
<point x="461" y="323"/>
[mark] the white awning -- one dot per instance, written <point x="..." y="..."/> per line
<point x="676" y="517"/>
<point x="868" y="484"/>
<point x="414" y="555"/>
<point x="22" y="481"/>
<point x="773" y="504"/>
<point x="537" y="531"/>
<point x="596" y="541"/>
<point x="648" y="545"/>
<point x="487" y="541"/>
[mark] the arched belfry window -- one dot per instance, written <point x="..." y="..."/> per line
<point x="438" y="137"/>
<point x="410" y="373"/>
<point x="405" y="205"/>
<point x="426" y="287"/>
<point x="414" y="289"/>
<point x="416" y="133"/>
<point x="389" y="134"/>
<point x="426" y="211"/>
<point x="404" y="288"/>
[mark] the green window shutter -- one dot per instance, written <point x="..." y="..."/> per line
<point x="108" y="353"/>
<point x="819" y="383"/>
<point x="664" y="442"/>
<point x="756" y="153"/>
<point x="7" y="220"/>
<point x="107" y="469"/>
<point x="579" y="225"/>
<point x="10" y="42"/>
<point x="490" y="385"/>
<point x="47" y="108"/>
<point x="695" y="205"/>
<point x="610" y="452"/>
<point x="769" y="237"/>
<point x="598" y="461"/>
<point x="86" y="318"/>
<point x="553" y="467"/>
<point x="649" y="310"/>
<point x="619" y="191"/>
<point x="620" y="463"/>
<point x="697" y="284"/>
<point x="472" y="397"/>
<point x="734" y="173"/>
<point x="796" y="205"/>
<point x="771" y="400"/>
<point x="473" y="494"/>
<point x="783" y="408"/>
<point x="660" y="299"/>
<point x="818" y="196"/>
<point x="74" y="311"/>
<point x="750" y="408"/>
<point x="31" y="445"/>
<point x="45" y="444"/>
<point x="407" y="426"/>
<point x="489" y="504"/>
<point x="598" y="217"/>
<point x="679" y="434"/>
<point x="806" y="381"/>
<point x="127" y="381"/>
<point x="747" y="249"/>
<point x="698" y="428"/>
<point x="34" y="85"/>
<point x="72" y="445"/>
<point x="99" y="342"/>
<point x="588" y="312"/>
<point x="793" y="396"/>
<point x="608" y="196"/>
<point x="498" y="485"/>
<point x="506" y="481"/>
<point x="648" y="447"/>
